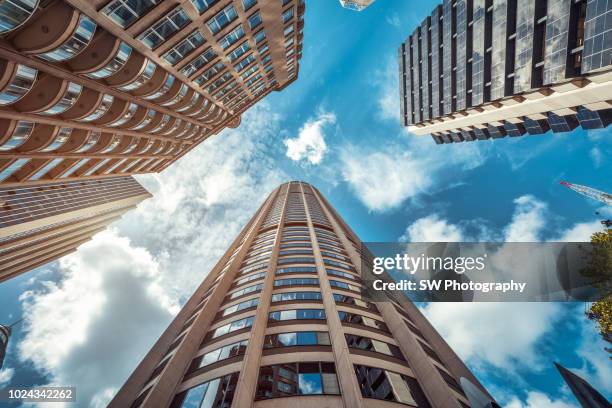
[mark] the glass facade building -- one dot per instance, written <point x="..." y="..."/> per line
<point x="131" y="86"/>
<point x="280" y="321"/>
<point x="483" y="69"/>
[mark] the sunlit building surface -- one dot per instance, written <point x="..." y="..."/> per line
<point x="482" y="69"/>
<point x="97" y="88"/>
<point x="39" y="224"/>
<point x="280" y="321"/>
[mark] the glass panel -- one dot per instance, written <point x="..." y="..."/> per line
<point x="13" y="13"/>
<point x="20" y="85"/>
<point x="13" y="168"/>
<point x="76" y="43"/>
<point x="123" y="53"/>
<point x="22" y="132"/>
<point x="46" y="168"/>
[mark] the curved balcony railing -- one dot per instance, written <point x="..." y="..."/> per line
<point x="131" y="110"/>
<point x="91" y="141"/>
<point x="72" y="93"/>
<point x="103" y="107"/>
<point x="74" y="45"/>
<point x="146" y="120"/>
<point x="194" y="100"/>
<point x="13" y="13"/>
<point x="123" y="53"/>
<point x="23" y="130"/>
<point x="114" y="143"/>
<point x="20" y="85"/>
<point x="60" y="139"/>
<point x="164" y="88"/>
<point x="140" y="80"/>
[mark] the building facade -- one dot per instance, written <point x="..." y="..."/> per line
<point x="39" y="224"/>
<point x="280" y="321"/>
<point x="102" y="88"/>
<point x="482" y="69"/>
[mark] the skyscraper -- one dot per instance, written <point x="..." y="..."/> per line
<point x="356" y="5"/>
<point x="587" y="396"/>
<point x="41" y="223"/>
<point x="98" y="88"/>
<point x="482" y="69"/>
<point x="5" y="333"/>
<point x="280" y="321"/>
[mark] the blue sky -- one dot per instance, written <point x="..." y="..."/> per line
<point x="336" y="127"/>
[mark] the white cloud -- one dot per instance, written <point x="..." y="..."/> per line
<point x="536" y="399"/>
<point x="393" y="20"/>
<point x="596" y="156"/>
<point x="580" y="232"/>
<point x="384" y="177"/>
<point x="464" y="325"/>
<point x="387" y="82"/>
<point x="6" y="375"/>
<point x="432" y="229"/>
<point x="528" y="220"/>
<point x="92" y="328"/>
<point x="596" y="367"/>
<point x="310" y="144"/>
<point x="201" y="203"/>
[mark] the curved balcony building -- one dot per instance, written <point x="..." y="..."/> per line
<point x="280" y="321"/>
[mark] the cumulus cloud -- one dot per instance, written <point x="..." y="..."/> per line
<point x="580" y="232"/>
<point x="384" y="177"/>
<point x="596" y="156"/>
<point x="310" y="144"/>
<point x="6" y="375"/>
<point x="594" y="366"/>
<point x="464" y="325"/>
<point x="536" y="399"/>
<point x="201" y="203"/>
<point x="92" y="328"/>
<point x="387" y="82"/>
<point x="528" y="220"/>
<point x="432" y="229"/>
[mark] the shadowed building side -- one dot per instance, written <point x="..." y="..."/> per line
<point x="280" y="321"/>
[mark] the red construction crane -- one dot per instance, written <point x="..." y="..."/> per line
<point x="590" y="192"/>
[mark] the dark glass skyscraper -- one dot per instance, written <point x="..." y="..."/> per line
<point x="481" y="69"/>
<point x="280" y="321"/>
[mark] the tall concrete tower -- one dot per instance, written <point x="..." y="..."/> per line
<point x="280" y="321"/>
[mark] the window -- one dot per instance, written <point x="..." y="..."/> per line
<point x="214" y="393"/>
<point x="203" y="5"/>
<point x="247" y="4"/>
<point x="222" y="19"/>
<point x="377" y="346"/>
<point x="250" y="278"/>
<point x="210" y="72"/>
<point x="296" y="282"/>
<point x="343" y="285"/>
<point x="297" y="314"/>
<point x="287" y="15"/>
<point x="75" y="44"/>
<point x="288" y="296"/>
<point x="248" y="289"/>
<point x="240" y="306"/>
<point x="254" y="20"/>
<point x="306" y="338"/>
<point x="125" y="12"/>
<point x="222" y="353"/>
<point x="239" y="51"/>
<point x="360" y="320"/>
<point x="340" y="273"/>
<point x="198" y="62"/>
<point x="165" y="28"/>
<point x="386" y="385"/>
<point x="232" y="327"/>
<point x="244" y="63"/>
<point x="297" y="269"/>
<point x="231" y="38"/>
<point x="259" y="36"/>
<point x="285" y="380"/>
<point x="338" y="264"/>
<point x="182" y="49"/>
<point x="296" y="260"/>
<point x="13" y="168"/>
<point x="354" y="301"/>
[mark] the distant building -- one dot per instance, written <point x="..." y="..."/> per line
<point x="356" y="5"/>
<point x="281" y="321"/>
<point x="41" y="223"/>
<point x="587" y="396"/>
<point x="478" y="69"/>
<point x="5" y="333"/>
